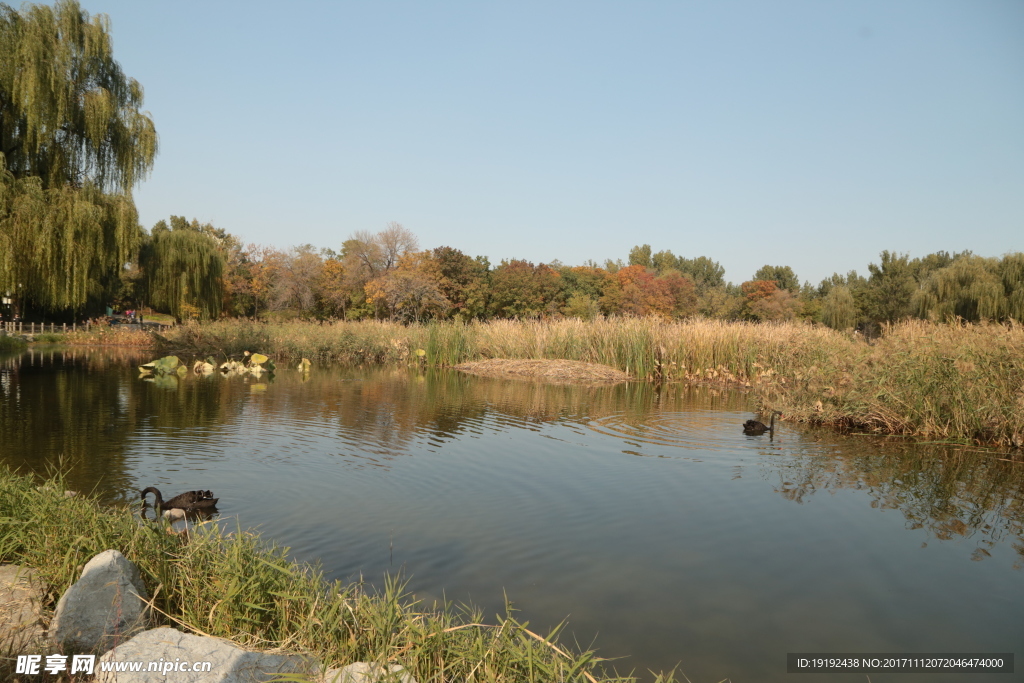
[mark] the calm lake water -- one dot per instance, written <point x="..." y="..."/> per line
<point x="664" y="534"/>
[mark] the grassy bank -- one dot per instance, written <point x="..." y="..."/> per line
<point x="12" y="344"/>
<point x="948" y="382"/>
<point x="237" y="587"/>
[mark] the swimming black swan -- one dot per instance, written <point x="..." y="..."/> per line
<point x="190" y="500"/>
<point x="757" y="428"/>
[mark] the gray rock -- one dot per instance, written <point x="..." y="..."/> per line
<point x="104" y="607"/>
<point x="368" y="672"/>
<point x="21" y="596"/>
<point x="228" y="662"/>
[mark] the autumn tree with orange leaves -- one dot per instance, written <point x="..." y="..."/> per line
<point x="765" y="301"/>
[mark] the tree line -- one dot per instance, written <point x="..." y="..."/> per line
<point x="74" y="142"/>
<point x="197" y="271"/>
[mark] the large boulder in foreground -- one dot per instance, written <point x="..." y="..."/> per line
<point x="104" y="607"/>
<point x="21" y="596"/>
<point x="228" y="663"/>
<point x="367" y="672"/>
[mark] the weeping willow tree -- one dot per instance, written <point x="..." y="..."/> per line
<point x="1011" y="272"/>
<point x="73" y="143"/>
<point x="184" y="268"/>
<point x="975" y="288"/>
<point x="839" y="309"/>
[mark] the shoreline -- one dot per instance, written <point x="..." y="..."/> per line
<point x="953" y="382"/>
<point x="282" y="604"/>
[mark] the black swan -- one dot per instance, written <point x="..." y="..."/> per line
<point x="757" y="428"/>
<point x="190" y="500"/>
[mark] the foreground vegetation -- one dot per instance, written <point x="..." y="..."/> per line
<point x="12" y="345"/>
<point x="235" y="586"/>
<point x="950" y="382"/>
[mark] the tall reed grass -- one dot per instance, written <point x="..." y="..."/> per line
<point x="951" y="382"/>
<point x="235" y="586"/>
<point x="644" y="347"/>
<point x="99" y="334"/>
<point x="958" y="382"/>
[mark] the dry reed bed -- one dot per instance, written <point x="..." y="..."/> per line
<point x="956" y="382"/>
<point x="99" y="335"/>
<point x="951" y="382"/>
<point x="554" y="371"/>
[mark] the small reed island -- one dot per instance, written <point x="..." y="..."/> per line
<point x="546" y="370"/>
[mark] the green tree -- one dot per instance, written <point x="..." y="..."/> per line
<point x="1011" y="272"/>
<point x="73" y="143"/>
<point x="520" y="289"/>
<point x="839" y="310"/>
<point x="63" y="248"/>
<point x="851" y="281"/>
<point x="68" y="114"/>
<point x="925" y="266"/>
<point x="891" y="288"/>
<point x="588" y="281"/>
<point x="463" y="281"/>
<point x="582" y="288"/>
<point x="665" y="261"/>
<point x="782" y="276"/>
<point x="184" y="268"/>
<point x="974" y="288"/>
<point x="705" y="273"/>
<point x="726" y="303"/>
<point x="613" y="266"/>
<point x="641" y="256"/>
<point x="582" y="306"/>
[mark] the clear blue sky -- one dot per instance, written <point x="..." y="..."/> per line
<point x="803" y="133"/>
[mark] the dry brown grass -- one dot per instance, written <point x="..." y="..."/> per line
<point x="99" y="334"/>
<point x="555" y="371"/>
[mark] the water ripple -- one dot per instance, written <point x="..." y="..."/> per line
<point x="703" y="430"/>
